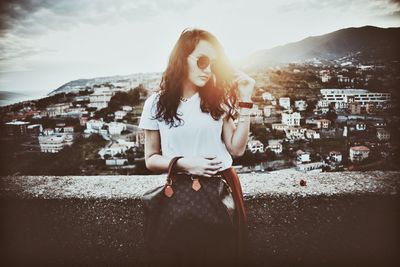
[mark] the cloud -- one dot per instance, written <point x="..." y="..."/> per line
<point x="34" y="16"/>
<point x="12" y="11"/>
<point x="357" y="7"/>
<point x="24" y="20"/>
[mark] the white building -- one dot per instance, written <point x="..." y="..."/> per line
<point x="100" y="97"/>
<point x="342" y="97"/>
<point x="357" y="125"/>
<point x="255" y="146"/>
<point x="275" y="145"/>
<point x="93" y="126"/>
<point x="335" y="156"/>
<point x="54" y="143"/>
<point x="291" y="118"/>
<point x="69" y="129"/>
<point x="284" y="102"/>
<point x="127" y="108"/>
<point x="83" y="120"/>
<point x="310" y="167"/>
<point x="361" y="126"/>
<point x="75" y="112"/>
<point x="325" y="76"/>
<point x="320" y="124"/>
<point x="278" y="126"/>
<point x="323" y="124"/>
<point x="355" y="108"/>
<point x="358" y="153"/>
<point x="119" y="114"/>
<point x="128" y="144"/>
<point x="48" y="131"/>
<point x="302" y="157"/>
<point x="57" y="109"/>
<point x="382" y="134"/>
<point x="115" y="128"/>
<point x="267" y="96"/>
<point x="258" y="119"/>
<point x="323" y="106"/>
<point x="113" y="149"/>
<point x="116" y="162"/>
<point x="301" y="105"/>
<point x="68" y="139"/>
<point x="295" y="133"/>
<point x="312" y="134"/>
<point x="269" y="110"/>
<point x="344" y="79"/>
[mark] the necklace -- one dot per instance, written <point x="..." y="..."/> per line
<point x="186" y="99"/>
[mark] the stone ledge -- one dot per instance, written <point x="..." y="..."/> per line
<point x="273" y="183"/>
<point x="338" y="219"/>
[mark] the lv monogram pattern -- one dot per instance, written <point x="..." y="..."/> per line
<point x="210" y="206"/>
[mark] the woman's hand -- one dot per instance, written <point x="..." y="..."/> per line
<point x="245" y="84"/>
<point x="202" y="166"/>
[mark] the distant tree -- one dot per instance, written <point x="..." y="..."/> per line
<point x="259" y="132"/>
<point x="374" y="84"/>
<point x="130" y="98"/>
<point x="270" y="155"/>
<point x="331" y="115"/>
<point x="130" y="155"/>
<point x="311" y="106"/>
<point x="118" y="155"/>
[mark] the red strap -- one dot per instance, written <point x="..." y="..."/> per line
<point x="242" y="232"/>
<point x="171" y="167"/>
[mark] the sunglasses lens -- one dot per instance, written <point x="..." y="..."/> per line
<point x="203" y="62"/>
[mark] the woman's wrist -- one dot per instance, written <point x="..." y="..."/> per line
<point x="181" y="164"/>
<point x="244" y="112"/>
<point x="245" y="99"/>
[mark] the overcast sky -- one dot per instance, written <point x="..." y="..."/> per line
<point x="44" y="44"/>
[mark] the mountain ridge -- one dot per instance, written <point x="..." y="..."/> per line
<point x="381" y="44"/>
<point x="365" y="43"/>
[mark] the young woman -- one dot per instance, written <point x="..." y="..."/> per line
<point x="192" y="116"/>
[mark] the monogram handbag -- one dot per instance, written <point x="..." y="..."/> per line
<point x="185" y="199"/>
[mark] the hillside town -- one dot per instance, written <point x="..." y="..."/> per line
<point x="308" y="117"/>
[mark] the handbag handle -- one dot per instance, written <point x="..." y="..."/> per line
<point x="170" y="169"/>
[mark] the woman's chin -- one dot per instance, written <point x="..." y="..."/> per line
<point x="201" y="83"/>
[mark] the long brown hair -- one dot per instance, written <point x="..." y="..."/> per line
<point x="218" y="90"/>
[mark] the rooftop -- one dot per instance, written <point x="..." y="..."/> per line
<point x="359" y="148"/>
<point x="17" y="123"/>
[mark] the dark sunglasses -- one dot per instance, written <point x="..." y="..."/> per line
<point x="203" y="62"/>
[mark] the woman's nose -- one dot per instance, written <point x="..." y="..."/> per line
<point x="208" y="69"/>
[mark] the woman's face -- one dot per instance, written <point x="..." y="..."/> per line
<point x="197" y="76"/>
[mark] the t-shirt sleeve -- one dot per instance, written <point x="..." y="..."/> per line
<point x="147" y="119"/>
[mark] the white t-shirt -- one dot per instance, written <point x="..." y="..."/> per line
<point x="198" y="134"/>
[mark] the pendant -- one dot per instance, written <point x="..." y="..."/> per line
<point x="196" y="184"/>
<point x="168" y="192"/>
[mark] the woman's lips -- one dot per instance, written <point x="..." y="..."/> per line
<point x="204" y="77"/>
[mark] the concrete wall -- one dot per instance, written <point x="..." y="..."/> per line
<point x="337" y="219"/>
